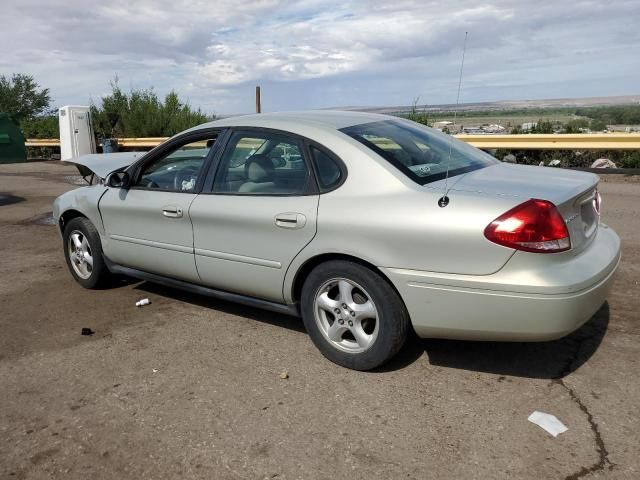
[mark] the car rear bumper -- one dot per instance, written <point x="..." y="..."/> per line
<point x="534" y="297"/>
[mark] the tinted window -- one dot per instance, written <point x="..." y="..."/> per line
<point x="421" y="153"/>
<point x="179" y="170"/>
<point x="329" y="173"/>
<point x="262" y="164"/>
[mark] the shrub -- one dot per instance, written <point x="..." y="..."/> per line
<point x="46" y="126"/>
<point x="140" y="113"/>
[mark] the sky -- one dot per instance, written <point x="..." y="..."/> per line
<point x="324" y="53"/>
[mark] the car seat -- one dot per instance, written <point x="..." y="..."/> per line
<point x="260" y="174"/>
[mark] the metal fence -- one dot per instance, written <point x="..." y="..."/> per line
<point x="592" y="141"/>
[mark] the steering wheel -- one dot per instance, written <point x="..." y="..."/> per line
<point x="429" y="157"/>
<point x="188" y="174"/>
<point x="148" y="183"/>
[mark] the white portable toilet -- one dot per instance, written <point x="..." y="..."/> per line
<point x="76" y="133"/>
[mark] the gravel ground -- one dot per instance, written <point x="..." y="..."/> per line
<point x="192" y="387"/>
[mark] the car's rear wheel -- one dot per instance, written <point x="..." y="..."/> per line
<point x="352" y="314"/>
<point x="83" y="253"/>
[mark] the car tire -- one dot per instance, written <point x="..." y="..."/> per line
<point x="353" y="315"/>
<point x="83" y="253"/>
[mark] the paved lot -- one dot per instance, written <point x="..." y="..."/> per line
<point x="191" y="387"/>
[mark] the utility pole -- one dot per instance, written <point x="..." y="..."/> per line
<point x="258" y="105"/>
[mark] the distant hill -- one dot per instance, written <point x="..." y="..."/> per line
<point x="504" y="105"/>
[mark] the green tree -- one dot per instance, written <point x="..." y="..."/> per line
<point x="141" y="113"/>
<point x="597" y="125"/>
<point x="616" y="114"/>
<point x="576" y="125"/>
<point x="417" y="115"/>
<point x="543" y="126"/>
<point x="22" y="98"/>
<point x="44" y="126"/>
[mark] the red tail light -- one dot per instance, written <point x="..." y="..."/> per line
<point x="532" y="226"/>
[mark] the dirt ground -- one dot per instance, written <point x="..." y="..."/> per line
<point x="191" y="387"/>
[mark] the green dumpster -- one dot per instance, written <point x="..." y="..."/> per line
<point x="12" y="149"/>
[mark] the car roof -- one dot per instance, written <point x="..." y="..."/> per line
<point x="333" y="119"/>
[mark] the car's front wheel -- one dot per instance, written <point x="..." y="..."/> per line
<point x="83" y="253"/>
<point x="352" y="314"/>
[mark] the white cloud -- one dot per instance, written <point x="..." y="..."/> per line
<point x="321" y="53"/>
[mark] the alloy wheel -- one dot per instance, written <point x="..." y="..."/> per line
<point x="346" y="315"/>
<point x="80" y="254"/>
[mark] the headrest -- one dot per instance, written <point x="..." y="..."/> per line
<point x="259" y="168"/>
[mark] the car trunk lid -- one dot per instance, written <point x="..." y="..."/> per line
<point x="573" y="193"/>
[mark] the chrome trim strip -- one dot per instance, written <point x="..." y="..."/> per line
<point x="151" y="243"/>
<point x="238" y="258"/>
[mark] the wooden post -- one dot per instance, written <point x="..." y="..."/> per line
<point x="258" y="105"/>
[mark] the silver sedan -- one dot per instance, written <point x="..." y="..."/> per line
<point x="365" y="225"/>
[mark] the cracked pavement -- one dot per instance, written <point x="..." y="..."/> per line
<point x="191" y="387"/>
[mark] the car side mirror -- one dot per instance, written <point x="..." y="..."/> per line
<point x="118" y="180"/>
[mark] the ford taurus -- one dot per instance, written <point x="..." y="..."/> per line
<point x="367" y="226"/>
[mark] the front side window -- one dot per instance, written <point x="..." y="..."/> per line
<point x="179" y="170"/>
<point x="262" y="164"/>
<point x="422" y="154"/>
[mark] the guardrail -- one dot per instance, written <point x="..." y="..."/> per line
<point x="147" y="142"/>
<point x="579" y="141"/>
<point x="42" y="142"/>
<point x="583" y="141"/>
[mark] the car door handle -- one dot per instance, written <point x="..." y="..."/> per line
<point x="291" y="220"/>
<point x="172" y="212"/>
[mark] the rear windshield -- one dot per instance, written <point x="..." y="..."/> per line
<point x="422" y="153"/>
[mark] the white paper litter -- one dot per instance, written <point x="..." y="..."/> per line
<point x="548" y="422"/>
<point x="143" y="302"/>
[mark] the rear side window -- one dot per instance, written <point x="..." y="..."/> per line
<point x="421" y="153"/>
<point x="262" y="164"/>
<point x="329" y="172"/>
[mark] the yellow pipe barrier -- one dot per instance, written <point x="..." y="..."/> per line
<point x="42" y="142"/>
<point x="581" y="141"/>
<point x="149" y="142"/>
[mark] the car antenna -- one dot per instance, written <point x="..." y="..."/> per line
<point x="444" y="200"/>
